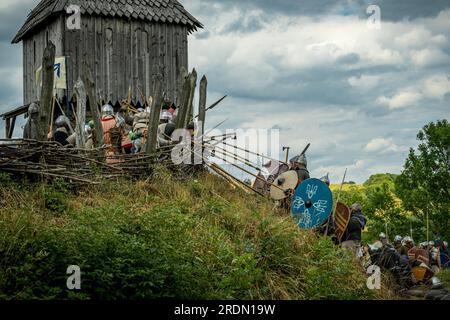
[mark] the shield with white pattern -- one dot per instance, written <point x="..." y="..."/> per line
<point x="312" y="204"/>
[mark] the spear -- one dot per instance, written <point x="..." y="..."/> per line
<point x="213" y="105"/>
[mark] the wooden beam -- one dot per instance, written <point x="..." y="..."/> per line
<point x="48" y="61"/>
<point x="202" y="105"/>
<point x="80" y="92"/>
<point x="96" y="116"/>
<point x="8" y="125"/>
<point x="11" y="128"/>
<point x="192" y="84"/>
<point x="155" y="110"/>
<point x="184" y="101"/>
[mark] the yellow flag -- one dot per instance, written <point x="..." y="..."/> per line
<point x="60" y="74"/>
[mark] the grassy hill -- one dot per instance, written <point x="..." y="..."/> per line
<point x="164" y="239"/>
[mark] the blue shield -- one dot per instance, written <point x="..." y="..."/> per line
<point x="312" y="204"/>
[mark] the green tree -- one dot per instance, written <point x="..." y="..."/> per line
<point x="423" y="185"/>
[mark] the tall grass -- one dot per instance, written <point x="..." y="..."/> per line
<point x="195" y="239"/>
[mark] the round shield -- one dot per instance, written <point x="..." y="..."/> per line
<point x="312" y="204"/>
<point x="285" y="181"/>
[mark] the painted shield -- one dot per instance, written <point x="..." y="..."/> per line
<point x="284" y="182"/>
<point x="312" y="204"/>
<point x="341" y="220"/>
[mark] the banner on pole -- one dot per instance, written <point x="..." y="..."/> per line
<point x="60" y="74"/>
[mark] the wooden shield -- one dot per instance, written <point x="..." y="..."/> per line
<point x="284" y="182"/>
<point x="341" y="220"/>
<point x="421" y="255"/>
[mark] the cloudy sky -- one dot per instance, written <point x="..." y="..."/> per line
<point x="313" y="69"/>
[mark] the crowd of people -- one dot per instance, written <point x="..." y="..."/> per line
<point x="123" y="132"/>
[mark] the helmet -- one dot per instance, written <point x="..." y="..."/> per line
<point x="326" y="179"/>
<point x="33" y="108"/>
<point x="107" y="110"/>
<point x="301" y="159"/>
<point x="382" y="235"/>
<point x="431" y="244"/>
<point x="139" y="110"/>
<point x="398" y="239"/>
<point x="165" y="116"/>
<point x="91" y="124"/>
<point x="355" y="207"/>
<point x="87" y="129"/>
<point x="61" y="121"/>
<point x="408" y="240"/>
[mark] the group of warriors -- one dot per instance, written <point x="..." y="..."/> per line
<point x="409" y="264"/>
<point x="124" y="132"/>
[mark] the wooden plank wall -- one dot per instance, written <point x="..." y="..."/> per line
<point x="126" y="53"/>
<point x="33" y="51"/>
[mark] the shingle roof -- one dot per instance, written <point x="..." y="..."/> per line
<point x="165" y="11"/>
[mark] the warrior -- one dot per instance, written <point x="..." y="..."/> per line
<point x="62" y="132"/>
<point x="352" y="235"/>
<point x="326" y="179"/>
<point x="165" y="128"/>
<point x="30" y="130"/>
<point x="299" y="164"/>
<point x="112" y="132"/>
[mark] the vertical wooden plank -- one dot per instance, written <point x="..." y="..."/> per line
<point x="192" y="85"/>
<point x="202" y="104"/>
<point x="90" y="90"/>
<point x="11" y="128"/>
<point x="7" y="126"/>
<point x="155" y="110"/>
<point x="80" y="93"/>
<point x="146" y="57"/>
<point x="47" y="91"/>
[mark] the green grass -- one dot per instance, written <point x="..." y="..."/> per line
<point x="164" y="239"/>
<point x="444" y="276"/>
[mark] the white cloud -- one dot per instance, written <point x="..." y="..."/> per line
<point x="429" y="57"/>
<point x="436" y="86"/>
<point x="402" y="99"/>
<point x="364" y="81"/>
<point x="383" y="146"/>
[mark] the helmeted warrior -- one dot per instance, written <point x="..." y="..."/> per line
<point x="352" y="236"/>
<point x="299" y="164"/>
<point x="62" y="130"/>
<point x="30" y="130"/>
<point x="326" y="179"/>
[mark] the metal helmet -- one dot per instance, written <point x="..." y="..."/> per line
<point x="355" y="207"/>
<point x="382" y="235"/>
<point x="33" y="108"/>
<point x="165" y="116"/>
<point x="326" y="179"/>
<point x="408" y="240"/>
<point x="301" y="159"/>
<point x="398" y="239"/>
<point x="139" y="110"/>
<point x="61" y="121"/>
<point x="430" y="243"/>
<point x="107" y="110"/>
<point x="87" y="129"/>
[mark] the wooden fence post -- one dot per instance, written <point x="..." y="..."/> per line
<point x="202" y="104"/>
<point x="155" y="111"/>
<point x="96" y="116"/>
<point x="183" y="103"/>
<point x="80" y="92"/>
<point x="192" y="84"/>
<point x="48" y="75"/>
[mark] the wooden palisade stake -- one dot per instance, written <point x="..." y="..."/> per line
<point x="202" y="105"/>
<point x="95" y="113"/>
<point x="155" y="111"/>
<point x="47" y="90"/>
<point x="80" y="92"/>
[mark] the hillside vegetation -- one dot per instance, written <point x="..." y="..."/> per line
<point x="196" y="239"/>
